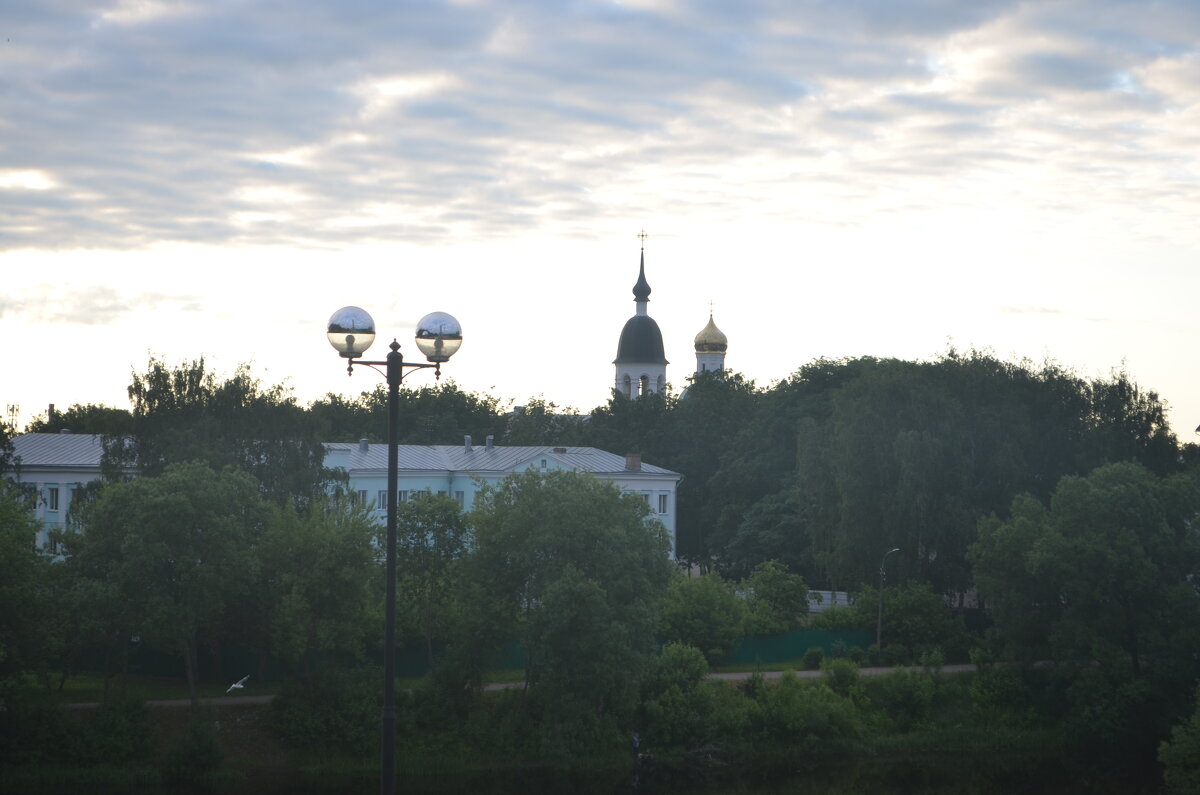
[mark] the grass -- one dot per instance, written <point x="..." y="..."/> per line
<point x="796" y="664"/>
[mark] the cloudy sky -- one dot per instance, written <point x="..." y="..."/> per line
<point x="834" y="178"/>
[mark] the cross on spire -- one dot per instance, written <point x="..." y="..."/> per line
<point x="642" y="236"/>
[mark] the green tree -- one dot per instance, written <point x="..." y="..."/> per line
<point x="574" y="570"/>
<point x="85" y="418"/>
<point x="440" y="413"/>
<point x="320" y="579"/>
<point x="432" y="540"/>
<point x="26" y="607"/>
<point x="187" y="414"/>
<point x="542" y="422"/>
<point x="1180" y="756"/>
<point x="177" y="549"/>
<point x="777" y="599"/>
<point x="1107" y="572"/>
<point x="703" y="612"/>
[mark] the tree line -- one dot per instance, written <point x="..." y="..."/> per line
<point x="1065" y="501"/>
<point x="823" y="471"/>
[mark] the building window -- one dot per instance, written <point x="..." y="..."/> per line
<point x="362" y="497"/>
<point x="461" y="498"/>
<point x="662" y="503"/>
<point x="402" y="496"/>
<point x="52" y="498"/>
<point x="382" y="504"/>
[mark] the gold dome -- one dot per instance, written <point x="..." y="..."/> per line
<point x="711" y="339"/>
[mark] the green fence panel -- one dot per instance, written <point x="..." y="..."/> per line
<point x="793" y="645"/>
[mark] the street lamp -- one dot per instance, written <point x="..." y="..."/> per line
<point x="351" y="332"/>
<point x="879" y="620"/>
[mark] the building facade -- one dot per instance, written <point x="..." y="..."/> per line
<point x="57" y="464"/>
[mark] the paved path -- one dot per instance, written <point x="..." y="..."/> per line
<point x="741" y="676"/>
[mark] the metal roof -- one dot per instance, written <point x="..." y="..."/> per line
<point x="85" y="450"/>
<point x="483" y="459"/>
<point x="58" y="450"/>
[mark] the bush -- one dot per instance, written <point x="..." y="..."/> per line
<point x="796" y="711"/>
<point x="841" y="675"/>
<point x="932" y="660"/>
<point x="333" y="709"/>
<point x="895" y="654"/>
<point x="838" y="648"/>
<point x="903" y="700"/>
<point x="703" y="612"/>
<point x="999" y="697"/>
<point x="33" y="729"/>
<point x="1180" y="757"/>
<point x="120" y="732"/>
<point x="194" y="756"/>
<point x="711" y="711"/>
<point x="777" y="601"/>
<point x="812" y="658"/>
<point x="677" y="665"/>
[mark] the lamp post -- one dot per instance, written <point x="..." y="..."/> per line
<point x="879" y="620"/>
<point x="351" y="332"/>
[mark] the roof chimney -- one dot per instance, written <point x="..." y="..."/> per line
<point x="467" y="444"/>
<point x="633" y="462"/>
<point x="489" y="441"/>
<point x="364" y="446"/>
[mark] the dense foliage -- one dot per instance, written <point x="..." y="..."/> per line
<point x="1066" y="502"/>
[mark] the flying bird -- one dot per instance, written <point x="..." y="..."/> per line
<point x="239" y="684"/>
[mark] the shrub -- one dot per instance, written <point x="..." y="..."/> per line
<point x="1180" y="756"/>
<point x="838" y="648"/>
<point x="999" y="697"/>
<point x="195" y="755"/>
<point x="903" y="700"/>
<point x="801" y="711"/>
<point x="120" y="732"/>
<point x="777" y="601"/>
<point x="707" y="712"/>
<point x="932" y="660"/>
<point x="679" y="665"/>
<point x="895" y="654"/>
<point x="703" y="612"/>
<point x="841" y="675"/>
<point x="812" y="658"/>
<point x="333" y="709"/>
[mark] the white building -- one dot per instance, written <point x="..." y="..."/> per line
<point x="56" y="464"/>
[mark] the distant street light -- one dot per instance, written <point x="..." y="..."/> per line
<point x="351" y="332"/>
<point x="882" y="579"/>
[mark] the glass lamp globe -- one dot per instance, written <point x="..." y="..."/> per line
<point x="438" y="336"/>
<point x="351" y="331"/>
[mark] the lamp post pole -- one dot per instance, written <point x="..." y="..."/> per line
<point x="879" y="618"/>
<point x="351" y="332"/>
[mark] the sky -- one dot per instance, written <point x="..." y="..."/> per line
<point x="834" y="178"/>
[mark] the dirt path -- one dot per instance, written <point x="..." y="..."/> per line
<point x="741" y="676"/>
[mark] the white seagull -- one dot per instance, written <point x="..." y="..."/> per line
<point x="238" y="685"/>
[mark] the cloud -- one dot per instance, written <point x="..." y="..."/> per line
<point x="312" y="124"/>
<point x="91" y="306"/>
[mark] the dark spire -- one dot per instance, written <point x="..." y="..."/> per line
<point x="641" y="290"/>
